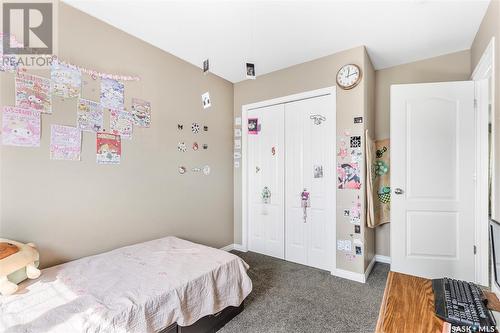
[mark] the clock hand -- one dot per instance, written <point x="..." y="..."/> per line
<point x="352" y="74"/>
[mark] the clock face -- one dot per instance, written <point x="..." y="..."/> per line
<point x="348" y="76"/>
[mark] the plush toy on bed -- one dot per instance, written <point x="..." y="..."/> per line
<point x="18" y="261"/>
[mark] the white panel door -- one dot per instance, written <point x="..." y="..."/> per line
<point x="310" y="145"/>
<point x="432" y="179"/>
<point x="266" y="170"/>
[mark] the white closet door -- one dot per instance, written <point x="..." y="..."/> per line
<point x="310" y="145"/>
<point x="266" y="169"/>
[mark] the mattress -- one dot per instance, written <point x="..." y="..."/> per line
<point x="140" y="288"/>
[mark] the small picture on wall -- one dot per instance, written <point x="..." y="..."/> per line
<point x="250" y="71"/>
<point x="205" y="99"/>
<point x="206" y="66"/>
<point x="348" y="176"/>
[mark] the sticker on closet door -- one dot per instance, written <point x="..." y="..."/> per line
<point x="318" y="171"/>
<point x="253" y="126"/>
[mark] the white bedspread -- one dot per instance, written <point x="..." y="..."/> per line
<point x="139" y="288"/>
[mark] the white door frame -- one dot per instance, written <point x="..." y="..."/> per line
<point x="244" y="149"/>
<point x="485" y="69"/>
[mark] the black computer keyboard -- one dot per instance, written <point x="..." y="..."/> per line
<point x="461" y="303"/>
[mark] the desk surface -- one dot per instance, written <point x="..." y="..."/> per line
<point x="408" y="306"/>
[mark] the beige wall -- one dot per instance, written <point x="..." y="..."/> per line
<point x="490" y="27"/>
<point x="74" y="209"/>
<point x="319" y="73"/>
<point x="449" y="67"/>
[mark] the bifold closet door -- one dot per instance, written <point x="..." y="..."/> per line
<point x="266" y="182"/>
<point x="310" y="167"/>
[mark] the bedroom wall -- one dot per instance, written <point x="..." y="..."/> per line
<point x="75" y="209"/>
<point x="316" y="74"/>
<point x="450" y="67"/>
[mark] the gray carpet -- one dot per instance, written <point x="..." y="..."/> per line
<point x="288" y="297"/>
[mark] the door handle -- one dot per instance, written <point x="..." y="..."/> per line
<point x="398" y="191"/>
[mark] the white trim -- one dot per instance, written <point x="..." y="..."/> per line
<point x="484" y="70"/>
<point x="227" y="248"/>
<point x="244" y="142"/>
<point x="383" y="259"/>
<point x="239" y="247"/>
<point x="236" y="247"/>
<point x="358" y="277"/>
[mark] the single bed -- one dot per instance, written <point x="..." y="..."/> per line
<point x="160" y="285"/>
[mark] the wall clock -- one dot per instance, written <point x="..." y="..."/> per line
<point x="348" y="76"/>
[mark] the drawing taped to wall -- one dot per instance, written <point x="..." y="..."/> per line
<point x="348" y="176"/>
<point x="112" y="94"/>
<point x="205" y="100"/>
<point x="121" y="123"/>
<point x="20" y="127"/>
<point x="109" y="148"/>
<point x="33" y="92"/>
<point x="141" y="113"/>
<point x="89" y="115"/>
<point x="66" y="81"/>
<point x="65" y="143"/>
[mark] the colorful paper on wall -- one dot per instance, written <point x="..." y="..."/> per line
<point x="65" y="143"/>
<point x="33" y="92"/>
<point x="8" y="62"/>
<point x="121" y="123"/>
<point x="89" y="115"/>
<point x="66" y="81"/>
<point x="355" y="211"/>
<point x="112" y="94"/>
<point x="348" y="176"/>
<point x="20" y="127"/>
<point x="109" y="148"/>
<point x="141" y="112"/>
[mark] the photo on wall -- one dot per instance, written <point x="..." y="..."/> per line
<point x="348" y="176"/>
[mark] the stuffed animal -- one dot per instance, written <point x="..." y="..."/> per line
<point x="18" y="261"/>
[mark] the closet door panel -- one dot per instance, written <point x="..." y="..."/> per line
<point x="310" y="166"/>
<point x="266" y="182"/>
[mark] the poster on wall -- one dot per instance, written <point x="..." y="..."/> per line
<point x="33" y="92"/>
<point x="89" y="115"/>
<point x="20" y="127"/>
<point x="141" y="112"/>
<point x="109" y="148"/>
<point x="65" y="143"/>
<point x="66" y="80"/>
<point x="348" y="176"/>
<point x="121" y="123"/>
<point x="112" y="94"/>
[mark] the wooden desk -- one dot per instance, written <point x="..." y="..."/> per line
<point x="408" y="306"/>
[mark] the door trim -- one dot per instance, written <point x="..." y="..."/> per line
<point x="485" y="69"/>
<point x="244" y="166"/>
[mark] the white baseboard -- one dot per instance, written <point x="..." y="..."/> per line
<point x="237" y="247"/>
<point x="227" y="248"/>
<point x="383" y="259"/>
<point x="358" y="277"/>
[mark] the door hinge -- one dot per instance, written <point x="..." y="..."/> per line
<point x="475" y="103"/>
<point x="475" y="249"/>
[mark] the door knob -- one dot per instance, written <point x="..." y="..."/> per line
<point x="398" y="191"/>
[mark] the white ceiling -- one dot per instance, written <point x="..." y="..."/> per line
<point x="279" y="34"/>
